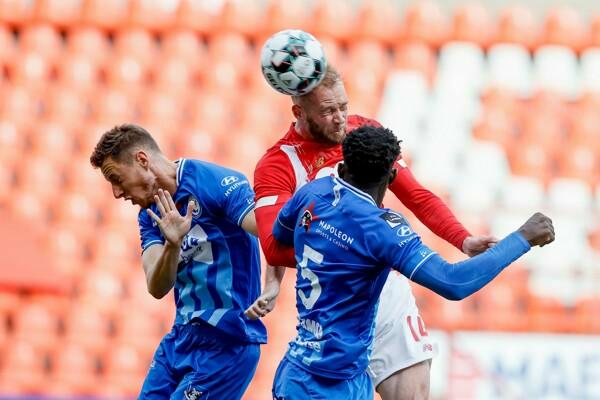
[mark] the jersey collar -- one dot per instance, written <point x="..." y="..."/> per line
<point x="179" y="173"/>
<point x="357" y="192"/>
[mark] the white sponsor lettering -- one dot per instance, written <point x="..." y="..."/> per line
<point x="336" y="232"/>
<point x="228" y="180"/>
<point x="312" y="326"/>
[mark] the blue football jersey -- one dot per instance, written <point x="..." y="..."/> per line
<point x="218" y="275"/>
<point x="345" y="245"/>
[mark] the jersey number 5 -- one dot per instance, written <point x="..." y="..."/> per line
<point x="317" y="258"/>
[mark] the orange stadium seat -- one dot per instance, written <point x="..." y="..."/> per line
<point x="184" y="45"/>
<point x="378" y="20"/>
<point x="87" y="328"/>
<point x="23" y="368"/>
<point x="77" y="212"/>
<point x="43" y="176"/>
<point x="79" y="73"/>
<point x="16" y="12"/>
<point x="586" y="315"/>
<point x="139" y="330"/>
<point x="202" y="141"/>
<point x="333" y="50"/>
<point x="159" y="105"/>
<point x="12" y="142"/>
<point x="117" y="244"/>
<point x="415" y="56"/>
<point x="244" y="16"/>
<point x="7" y="181"/>
<point x="101" y="290"/>
<point x="229" y="46"/>
<point x="31" y="70"/>
<point x="127" y="73"/>
<point x="585" y="128"/>
<point x="19" y="105"/>
<point x="138" y="44"/>
<point x="425" y="21"/>
<point x="106" y="14"/>
<point x="112" y="106"/>
<point x="125" y="368"/>
<point x="225" y="76"/>
<point x="62" y="13"/>
<point x="579" y="161"/>
<point x="518" y="24"/>
<point x="281" y="15"/>
<point x="66" y="106"/>
<point x="199" y="16"/>
<point x="545" y="130"/>
<point x="529" y="159"/>
<point x="333" y="18"/>
<point x="548" y="314"/>
<point x="472" y="23"/>
<point x="157" y="16"/>
<point x="37" y="325"/>
<point x="52" y="140"/>
<point x="30" y="206"/>
<point x="369" y="54"/>
<point x="564" y="26"/>
<point x="43" y="39"/>
<point x="595" y="30"/>
<point x="67" y="359"/>
<point x="88" y="42"/>
<point x="174" y="75"/>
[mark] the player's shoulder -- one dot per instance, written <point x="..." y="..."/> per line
<point x="356" y="121"/>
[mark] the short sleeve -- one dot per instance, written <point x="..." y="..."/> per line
<point x="149" y="231"/>
<point x="396" y="245"/>
<point x="231" y="194"/>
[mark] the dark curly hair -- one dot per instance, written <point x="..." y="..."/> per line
<point x="369" y="153"/>
<point x="118" y="142"/>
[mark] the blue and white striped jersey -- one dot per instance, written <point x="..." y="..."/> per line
<point x="218" y="275"/>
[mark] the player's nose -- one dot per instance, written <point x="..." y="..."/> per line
<point x="117" y="192"/>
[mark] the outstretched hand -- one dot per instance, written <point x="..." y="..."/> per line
<point x="474" y="245"/>
<point x="171" y="223"/>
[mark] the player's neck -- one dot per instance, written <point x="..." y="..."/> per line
<point x="302" y="130"/>
<point x="376" y="191"/>
<point x="166" y="174"/>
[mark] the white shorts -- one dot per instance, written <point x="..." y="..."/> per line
<point x="400" y="339"/>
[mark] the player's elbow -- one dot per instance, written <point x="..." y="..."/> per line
<point x="279" y="259"/>
<point x="157" y="293"/>
<point x="456" y="293"/>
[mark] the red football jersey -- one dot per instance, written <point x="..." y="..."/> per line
<point x="294" y="161"/>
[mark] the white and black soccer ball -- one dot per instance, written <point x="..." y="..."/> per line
<point x="293" y="62"/>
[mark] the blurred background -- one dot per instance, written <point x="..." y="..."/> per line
<point x="498" y="106"/>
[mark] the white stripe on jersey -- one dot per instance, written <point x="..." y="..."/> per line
<point x="266" y="201"/>
<point x="301" y="175"/>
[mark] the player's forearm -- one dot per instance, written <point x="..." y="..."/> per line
<point x="459" y="280"/>
<point x="429" y="209"/>
<point x="161" y="273"/>
<point x="273" y="278"/>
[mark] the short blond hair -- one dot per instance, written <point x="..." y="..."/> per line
<point x="331" y="78"/>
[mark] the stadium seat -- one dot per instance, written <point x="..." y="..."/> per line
<point x="472" y="196"/>
<point x="61" y="13"/>
<point x="547" y="314"/>
<point x="517" y="24"/>
<point x="117" y="244"/>
<point x="590" y="64"/>
<point x="529" y="159"/>
<point x="570" y="196"/>
<point x="378" y="20"/>
<point x="7" y="181"/>
<point x="174" y="76"/>
<point x="106" y="14"/>
<point x="19" y="105"/>
<point x="522" y="194"/>
<point x="580" y="161"/>
<point x="77" y="212"/>
<point x="362" y="83"/>
<point x="53" y="140"/>
<point x="425" y="21"/>
<point x="37" y="325"/>
<point x="369" y="54"/>
<point x="24" y="368"/>
<point x="127" y="73"/>
<point x="496" y="126"/>
<point x="243" y="16"/>
<point x="202" y="141"/>
<point x="509" y="67"/>
<point x="556" y="69"/>
<point x="585" y="128"/>
<point x="545" y="130"/>
<point x="43" y="39"/>
<point x="229" y="46"/>
<point x="87" y="328"/>
<point x="138" y="44"/>
<point x="16" y="12"/>
<point x="88" y="42"/>
<point x="564" y="26"/>
<point x="43" y="176"/>
<point x="78" y="73"/>
<point x="139" y="330"/>
<point x="101" y="290"/>
<point x="585" y="312"/>
<point x="12" y="142"/>
<point x="472" y="23"/>
<point x="281" y="15"/>
<point x="31" y="70"/>
<point x="461" y="68"/>
<point x="186" y="46"/>
<point x="65" y="106"/>
<point x="125" y="367"/>
<point x="111" y="107"/>
<point x="156" y="16"/>
<point x="595" y="30"/>
<point x="333" y="18"/>
<point x="68" y="359"/>
<point x="485" y="164"/>
<point x="336" y="56"/>
<point x="199" y="16"/>
<point x="415" y="56"/>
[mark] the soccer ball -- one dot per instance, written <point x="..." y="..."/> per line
<point x="293" y="62"/>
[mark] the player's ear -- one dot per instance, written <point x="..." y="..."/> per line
<point x="393" y="175"/>
<point x="342" y="170"/>
<point x="297" y="111"/>
<point x="141" y="157"/>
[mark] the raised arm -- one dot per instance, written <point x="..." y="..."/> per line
<point x="459" y="280"/>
